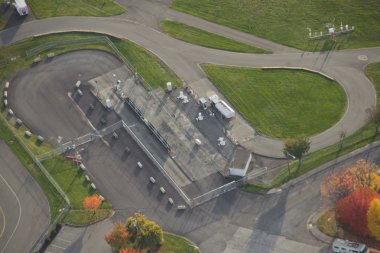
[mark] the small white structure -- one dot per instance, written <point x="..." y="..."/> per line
<point x="101" y="198"/>
<point x="6" y="85"/>
<point x="345" y="246"/>
<point x="171" y="201"/>
<point x="50" y="55"/>
<point x="10" y="112"/>
<point x="28" y="134"/>
<point x="214" y="99"/>
<point x="200" y="117"/>
<point x="181" y="207"/>
<point x="5" y="94"/>
<point x="77" y="84"/>
<point x="198" y="142"/>
<point x="5" y="102"/>
<point x="169" y="86"/>
<point x="108" y="103"/>
<point x="87" y="178"/>
<point x="93" y="186"/>
<point x="152" y="180"/>
<point x="162" y="190"/>
<point x="139" y="164"/>
<point x="203" y="103"/>
<point x="221" y="141"/>
<point x="21" y="7"/>
<point x="225" y="109"/>
<point x="240" y="163"/>
<point x="80" y="92"/>
<point x="82" y="167"/>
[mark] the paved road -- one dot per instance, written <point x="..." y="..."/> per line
<point x="184" y="59"/>
<point x="235" y="222"/>
<point x="24" y="209"/>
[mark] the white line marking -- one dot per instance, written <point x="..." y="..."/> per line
<point x="19" y="217"/>
<point x="64" y="240"/>
<point x="2" y="214"/>
<point x="56" y="246"/>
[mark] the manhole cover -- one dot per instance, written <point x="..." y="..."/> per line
<point x="362" y="57"/>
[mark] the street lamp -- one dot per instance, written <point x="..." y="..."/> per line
<point x="287" y="156"/>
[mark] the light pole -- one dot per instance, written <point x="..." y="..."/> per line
<point x="287" y="157"/>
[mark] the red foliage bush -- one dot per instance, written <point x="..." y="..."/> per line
<point x="352" y="210"/>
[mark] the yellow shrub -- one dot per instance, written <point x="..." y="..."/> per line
<point x="373" y="218"/>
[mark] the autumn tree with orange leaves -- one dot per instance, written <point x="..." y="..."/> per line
<point x="352" y="210"/>
<point x="125" y="250"/>
<point x="92" y="203"/>
<point x="118" y="236"/>
<point x="340" y="184"/>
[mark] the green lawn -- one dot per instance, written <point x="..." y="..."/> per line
<point x="285" y="22"/>
<point x="72" y="181"/>
<point x="281" y="103"/>
<point x="53" y="8"/>
<point x="357" y="140"/>
<point x="203" y="38"/>
<point x="152" y="69"/>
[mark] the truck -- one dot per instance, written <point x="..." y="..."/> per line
<point x="21" y="7"/>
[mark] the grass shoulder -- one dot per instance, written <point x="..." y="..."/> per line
<point x="50" y="8"/>
<point x="201" y="37"/>
<point x="281" y="103"/>
<point x="286" y="22"/>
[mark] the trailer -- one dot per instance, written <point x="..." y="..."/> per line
<point x="21" y="7"/>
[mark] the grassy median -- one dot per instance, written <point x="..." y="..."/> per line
<point x="53" y="8"/>
<point x="281" y="103"/>
<point x="286" y="22"/>
<point x="206" y="39"/>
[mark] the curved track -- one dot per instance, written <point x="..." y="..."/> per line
<point x="184" y="59"/>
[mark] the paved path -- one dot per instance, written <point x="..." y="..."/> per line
<point x="184" y="59"/>
<point x="24" y="209"/>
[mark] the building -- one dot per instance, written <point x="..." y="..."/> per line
<point x="240" y="163"/>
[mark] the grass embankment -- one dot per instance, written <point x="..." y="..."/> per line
<point x="153" y="70"/>
<point x="359" y="139"/>
<point x="203" y="38"/>
<point x="173" y="244"/>
<point x="53" y="8"/>
<point x="281" y="103"/>
<point x="286" y="22"/>
<point x="72" y="181"/>
<point x="56" y="202"/>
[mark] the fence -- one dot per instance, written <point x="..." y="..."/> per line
<point x="154" y="160"/>
<point x="40" y="241"/>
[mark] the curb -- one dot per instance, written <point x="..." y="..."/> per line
<point x="91" y="223"/>
<point x="313" y="228"/>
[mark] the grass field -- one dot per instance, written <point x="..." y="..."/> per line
<point x="72" y="181"/>
<point x="53" y="8"/>
<point x="357" y="140"/>
<point x="281" y="103"/>
<point x="203" y="38"/>
<point x="285" y="22"/>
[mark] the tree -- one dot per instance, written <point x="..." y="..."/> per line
<point x="296" y="147"/>
<point x="373" y="218"/>
<point x="144" y="233"/>
<point x="352" y="210"/>
<point x="374" y="117"/>
<point x="340" y="184"/>
<point x="92" y="203"/>
<point x="125" y="250"/>
<point x="118" y="236"/>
